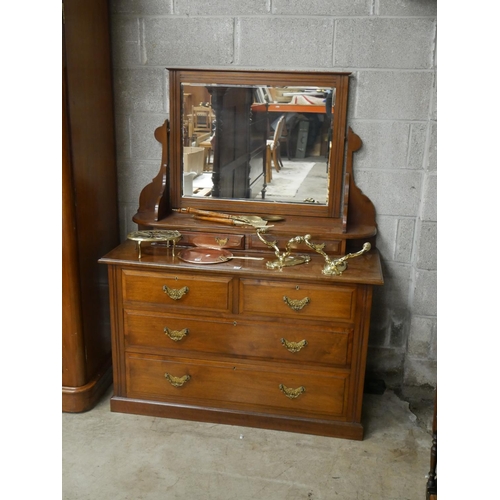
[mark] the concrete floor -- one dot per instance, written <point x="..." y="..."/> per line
<point x="113" y="456"/>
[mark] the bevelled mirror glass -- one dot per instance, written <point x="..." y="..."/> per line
<point x="254" y="138"/>
<point x="277" y="138"/>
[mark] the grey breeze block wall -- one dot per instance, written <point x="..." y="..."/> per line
<point x="389" y="46"/>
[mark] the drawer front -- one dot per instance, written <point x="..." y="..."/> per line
<point x="261" y="388"/>
<point x="290" y="300"/>
<point x="270" y="340"/>
<point x="178" y="290"/>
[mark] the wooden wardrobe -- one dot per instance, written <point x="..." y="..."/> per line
<point x="89" y="202"/>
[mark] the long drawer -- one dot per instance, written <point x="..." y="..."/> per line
<point x="271" y="340"/>
<point x="297" y="301"/>
<point x="264" y="388"/>
<point x="179" y="291"/>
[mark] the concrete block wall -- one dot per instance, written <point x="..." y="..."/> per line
<point x="389" y="46"/>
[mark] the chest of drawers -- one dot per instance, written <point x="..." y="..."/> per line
<point x="240" y="344"/>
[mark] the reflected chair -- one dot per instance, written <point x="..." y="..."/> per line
<point x="291" y="120"/>
<point x="273" y="150"/>
<point x="202" y="119"/>
<point x="285" y="137"/>
<point x="268" y="172"/>
<point x="207" y="143"/>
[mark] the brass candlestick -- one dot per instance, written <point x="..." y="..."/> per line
<point x="284" y="259"/>
<point x="338" y="266"/>
<point x="332" y="267"/>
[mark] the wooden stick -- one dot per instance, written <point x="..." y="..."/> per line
<point x="220" y="220"/>
<point x="205" y="213"/>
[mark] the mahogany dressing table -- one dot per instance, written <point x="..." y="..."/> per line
<point x="239" y="341"/>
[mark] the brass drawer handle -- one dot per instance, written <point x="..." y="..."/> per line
<point x="294" y="346"/>
<point x="221" y="241"/>
<point x="175" y="294"/>
<point x="292" y="393"/>
<point x="176" y="335"/>
<point x="296" y="304"/>
<point x="177" y="381"/>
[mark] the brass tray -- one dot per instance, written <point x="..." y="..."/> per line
<point x="155" y="236"/>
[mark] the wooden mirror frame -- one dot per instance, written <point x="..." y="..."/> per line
<point x="339" y="81"/>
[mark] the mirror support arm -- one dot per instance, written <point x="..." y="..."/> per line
<point x="359" y="207"/>
<point x="153" y="202"/>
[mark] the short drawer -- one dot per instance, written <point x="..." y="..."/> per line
<point x="291" y="300"/>
<point x="261" y="388"/>
<point x="259" y="340"/>
<point x="181" y="291"/>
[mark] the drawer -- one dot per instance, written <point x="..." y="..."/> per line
<point x="258" y="340"/>
<point x="297" y="300"/>
<point x="261" y="388"/>
<point x="180" y="291"/>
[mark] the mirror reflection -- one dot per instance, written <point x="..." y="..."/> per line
<point x="257" y="142"/>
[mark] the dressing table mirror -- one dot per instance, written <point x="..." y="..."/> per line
<point x="258" y="164"/>
<point x="232" y="141"/>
